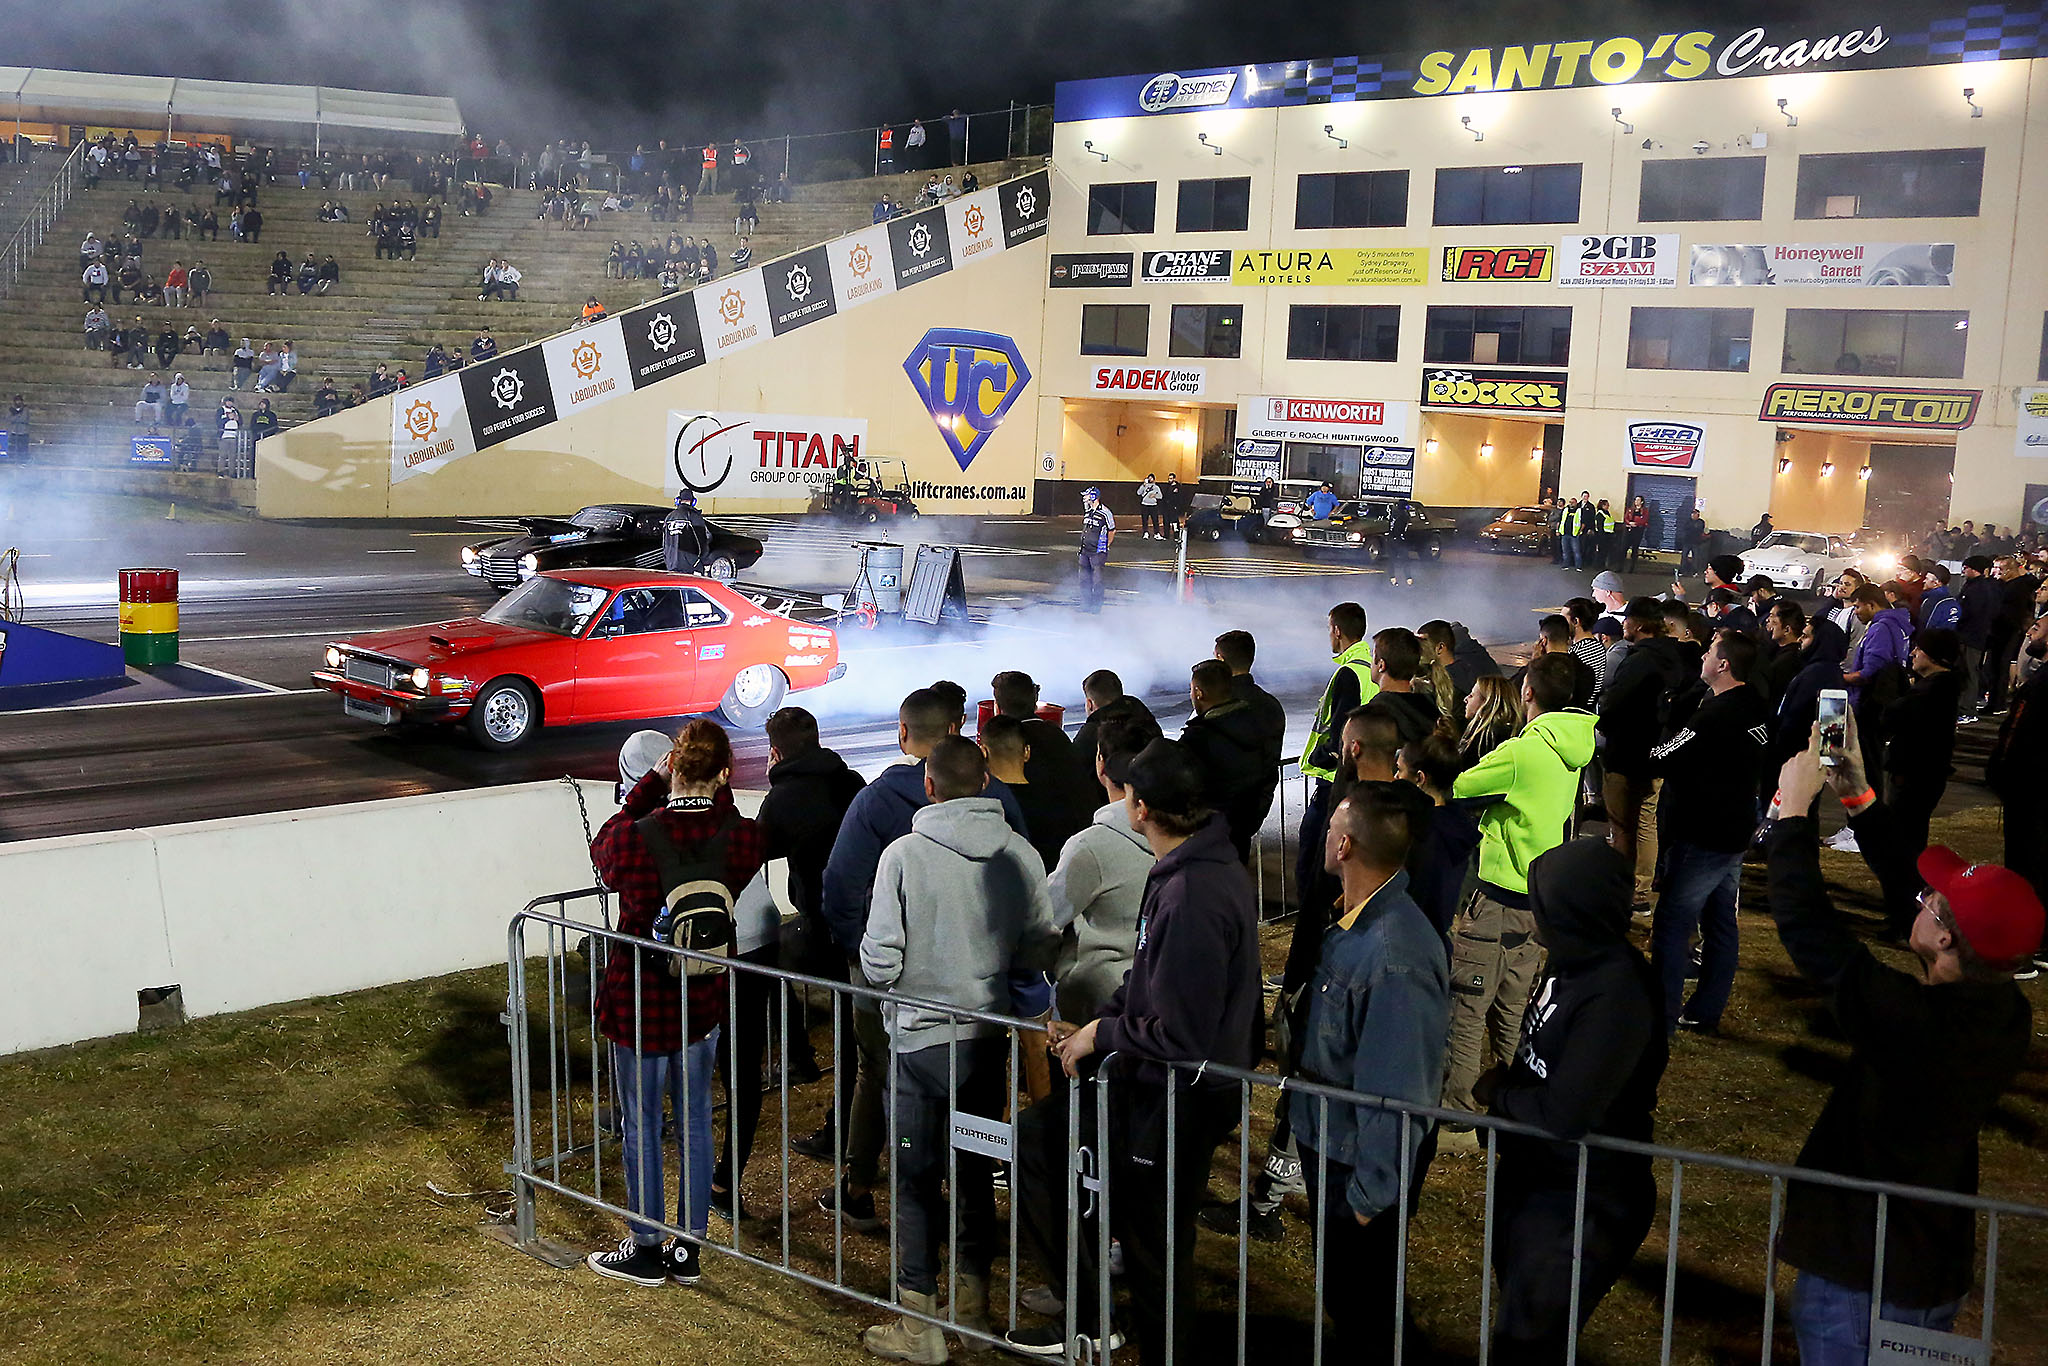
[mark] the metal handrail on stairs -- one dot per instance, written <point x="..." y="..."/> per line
<point x="40" y="219"/>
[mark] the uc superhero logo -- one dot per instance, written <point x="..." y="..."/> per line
<point x="967" y="381"/>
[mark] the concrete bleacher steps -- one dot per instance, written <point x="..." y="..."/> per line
<point x="386" y="312"/>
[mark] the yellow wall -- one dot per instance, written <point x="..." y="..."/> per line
<point x="849" y="365"/>
<point x="1150" y="442"/>
<point x="1802" y="500"/>
<point x="1458" y="476"/>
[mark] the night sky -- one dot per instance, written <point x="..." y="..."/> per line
<point x="624" y="71"/>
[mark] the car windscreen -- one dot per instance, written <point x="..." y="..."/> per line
<point x="1795" y="540"/>
<point x="599" y="519"/>
<point x="1531" y="516"/>
<point x="549" y="605"/>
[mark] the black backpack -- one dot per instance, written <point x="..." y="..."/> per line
<point x="696" y="910"/>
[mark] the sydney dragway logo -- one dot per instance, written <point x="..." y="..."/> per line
<point x="1169" y="90"/>
<point x="968" y="381"/>
<point x="1666" y="445"/>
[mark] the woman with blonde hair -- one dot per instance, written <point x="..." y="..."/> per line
<point x="1492" y="714"/>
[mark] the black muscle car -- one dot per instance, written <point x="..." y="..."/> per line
<point x="604" y="535"/>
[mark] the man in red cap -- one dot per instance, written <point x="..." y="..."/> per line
<point x="1931" y="1056"/>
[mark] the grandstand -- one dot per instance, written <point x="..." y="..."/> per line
<point x="384" y="311"/>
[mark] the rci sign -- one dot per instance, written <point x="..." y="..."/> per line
<point x="1942" y="410"/>
<point x="1496" y="263"/>
<point x="967" y="381"/>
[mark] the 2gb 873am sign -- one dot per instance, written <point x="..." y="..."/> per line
<point x="1639" y="259"/>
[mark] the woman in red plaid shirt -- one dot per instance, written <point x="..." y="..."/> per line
<point x="672" y="1049"/>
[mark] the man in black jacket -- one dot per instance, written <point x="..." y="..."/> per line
<point x="1708" y="814"/>
<point x="1223" y="738"/>
<point x="1238" y="649"/>
<point x="1631" y="723"/>
<point x="1978" y="604"/>
<point x="1593" y="1050"/>
<point x="1921" y="742"/>
<point x="1396" y="659"/>
<point x="1931" y="1056"/>
<point x="1193" y="995"/>
<point x="2014" y="770"/>
<point x="1104" y="696"/>
<point x="1052" y="753"/>
<point x="2015" y="612"/>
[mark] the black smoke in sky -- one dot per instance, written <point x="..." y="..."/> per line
<point x="620" y="72"/>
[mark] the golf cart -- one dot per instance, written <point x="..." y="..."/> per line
<point x="867" y="488"/>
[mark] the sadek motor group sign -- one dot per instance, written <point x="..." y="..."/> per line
<point x="1177" y="381"/>
<point x="757" y="455"/>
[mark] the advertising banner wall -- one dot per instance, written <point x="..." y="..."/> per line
<point x="799" y="290"/>
<point x="1665" y="447"/>
<point x="507" y="395"/>
<point x="1640" y="259"/>
<point x="1823" y="263"/>
<point x="1333" y="266"/>
<point x="1024" y="205"/>
<point x="1090" y="270"/>
<point x="1163" y="267"/>
<point x="588" y="366"/>
<point x="1497" y="263"/>
<point x="757" y="455"/>
<point x="919" y="246"/>
<point x="429" y="427"/>
<point x="1387" y="470"/>
<point x="662" y="339"/>
<point x="1178" y="381"/>
<point x="1860" y="405"/>
<point x="1337" y="421"/>
<point x="975" y="225"/>
<point x="860" y="267"/>
<point x="1252" y="463"/>
<point x="2030" y="437"/>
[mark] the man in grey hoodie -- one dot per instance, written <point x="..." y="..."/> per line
<point x="959" y="906"/>
<point x="1099" y="883"/>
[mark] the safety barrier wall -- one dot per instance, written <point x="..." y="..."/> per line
<point x="255" y="910"/>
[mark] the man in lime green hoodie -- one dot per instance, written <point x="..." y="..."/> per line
<point x="1532" y="781"/>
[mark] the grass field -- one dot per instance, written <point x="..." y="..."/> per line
<point x="256" y="1188"/>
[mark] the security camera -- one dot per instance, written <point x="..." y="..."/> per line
<point x="1702" y="147"/>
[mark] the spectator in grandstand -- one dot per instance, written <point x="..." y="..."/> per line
<point x="884" y="209"/>
<point x="679" y="821"/>
<point x="956" y="134"/>
<point x="482" y="347"/>
<point x="707" y="259"/>
<point x="1931" y="1054"/>
<point x="307" y="275"/>
<point x="166" y="346"/>
<point x="96" y="283"/>
<point x="266" y="367"/>
<point x="1531" y="782"/>
<point x="244" y="363"/>
<point x="1589" y="1063"/>
<point x="913" y="144"/>
<point x="138" y="344"/>
<point x="251" y="223"/>
<point x="1378" y="1013"/>
<point x="430" y="221"/>
<point x="326" y="399"/>
<point x="199" y="283"/>
<point x="90" y="250"/>
<point x="128" y="276"/>
<point x="593" y="311"/>
<point x="436" y="363"/>
<point x="280" y="281"/>
<point x="263" y="422"/>
<point x="1192" y="996"/>
<point x="878" y="816"/>
<point x="1711" y="768"/>
<point x="959" y="907"/>
<point x="176" y="285"/>
<point x="328" y="276"/>
<point x="670" y="278"/>
<point x="969" y="182"/>
<point x="287" y="366"/>
<point x="150" y="407"/>
<point x="217" y="342"/>
<point x="98" y="327"/>
<point x="18" y="428"/>
<point x="408" y="239"/>
<point x="748" y="217"/>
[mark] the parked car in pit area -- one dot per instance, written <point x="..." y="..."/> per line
<point x="571" y="646"/>
<point x="612" y="535"/>
<point x="1360" y="524"/>
<point x="1801" y="560"/>
<point x="1525" y="531"/>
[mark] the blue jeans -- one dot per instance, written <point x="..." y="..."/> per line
<point x="685" y="1079"/>
<point x="1571" y="550"/>
<point x="1699" y="891"/>
<point x="1833" y="1321"/>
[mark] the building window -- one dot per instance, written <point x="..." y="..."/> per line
<point x="1507" y="194"/>
<point x="1688" y="339"/>
<point x="1940" y="183"/>
<point x="1114" y="329"/>
<point x="1121" y="208"/>
<point x="1702" y="190"/>
<point x="1214" y="205"/>
<point x="1869" y="341"/>
<point x="1206" y="330"/>
<point x="1343" y="332"/>
<point x="1356" y="199"/>
<point x="2042" y="373"/>
<point x="1498" y="336"/>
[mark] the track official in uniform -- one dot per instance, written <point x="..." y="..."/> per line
<point x="1098" y="529"/>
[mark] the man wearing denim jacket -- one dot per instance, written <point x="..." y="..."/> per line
<point x="1379" y="1012"/>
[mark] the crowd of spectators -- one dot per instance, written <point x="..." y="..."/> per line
<point x="1457" y="945"/>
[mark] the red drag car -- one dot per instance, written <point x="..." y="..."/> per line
<point x="586" y="645"/>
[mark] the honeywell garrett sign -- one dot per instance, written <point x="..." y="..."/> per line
<point x="1336" y="421"/>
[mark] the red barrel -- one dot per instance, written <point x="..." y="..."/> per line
<point x="149" y="616"/>
<point x="1047" y="711"/>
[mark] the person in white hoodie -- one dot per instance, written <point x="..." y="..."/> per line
<point x="1099" y="883"/>
<point x="959" y="908"/>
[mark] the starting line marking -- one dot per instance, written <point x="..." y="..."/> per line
<point x="236" y="678"/>
<point x="1254" y="568"/>
<point x="166" y="701"/>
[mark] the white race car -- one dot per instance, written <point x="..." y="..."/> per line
<point x="1806" y="560"/>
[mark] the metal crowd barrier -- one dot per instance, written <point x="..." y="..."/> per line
<point x="565" y="1135"/>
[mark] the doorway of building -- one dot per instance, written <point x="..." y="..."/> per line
<point x="1553" y="460"/>
<point x="1909" y="487"/>
<point x="1671" y="498"/>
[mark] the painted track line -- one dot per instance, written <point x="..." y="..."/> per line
<point x="165" y="702"/>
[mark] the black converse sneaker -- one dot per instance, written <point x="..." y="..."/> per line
<point x="680" y="1257"/>
<point x="632" y="1262"/>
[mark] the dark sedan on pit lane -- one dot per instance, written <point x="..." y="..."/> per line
<point x="1524" y="531"/>
<point x="586" y="645"/>
<point x="604" y="535"/>
<point x="1360" y="525"/>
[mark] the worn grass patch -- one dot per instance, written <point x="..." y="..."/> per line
<point x="254" y="1188"/>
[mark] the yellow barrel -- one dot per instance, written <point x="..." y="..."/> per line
<point x="149" y="616"/>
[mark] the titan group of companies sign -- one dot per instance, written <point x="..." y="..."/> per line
<point x="1331" y="421"/>
<point x="1879" y="37"/>
<point x="757" y="455"/>
<point x="517" y="392"/>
